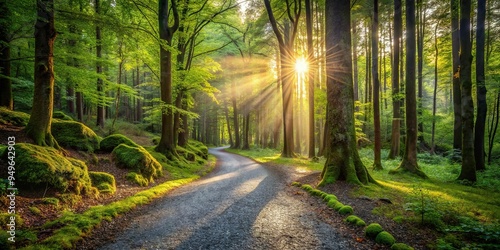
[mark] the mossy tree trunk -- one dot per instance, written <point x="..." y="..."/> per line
<point x="396" y="99"/>
<point x="5" y="82"/>
<point x="342" y="158"/>
<point x="166" y="144"/>
<point x="409" y="162"/>
<point x="468" y="171"/>
<point x="39" y="125"/>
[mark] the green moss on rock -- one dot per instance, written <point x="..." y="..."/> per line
<point x="401" y="246"/>
<point x="307" y="187"/>
<point x="15" y="118"/>
<point x="75" y="135"/>
<point x="37" y="165"/>
<point x="296" y="184"/>
<point x="104" y="182"/>
<point x="338" y="206"/>
<point x="62" y="116"/>
<point x="373" y="230"/>
<point x="110" y="142"/>
<point x="385" y="238"/>
<point x="137" y="179"/>
<point x="346" y="210"/>
<point x="198" y="148"/>
<point x="330" y="197"/>
<point x="138" y="160"/>
<point x="353" y="219"/>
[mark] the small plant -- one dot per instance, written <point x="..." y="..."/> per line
<point x="385" y="238"/>
<point x="421" y="203"/>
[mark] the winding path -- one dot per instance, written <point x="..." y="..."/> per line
<point x="240" y="205"/>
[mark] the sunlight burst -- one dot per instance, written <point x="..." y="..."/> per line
<point x="301" y="65"/>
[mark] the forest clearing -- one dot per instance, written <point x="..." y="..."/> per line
<point x="369" y="124"/>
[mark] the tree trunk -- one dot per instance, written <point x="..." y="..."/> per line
<point x="480" y="87"/>
<point x="166" y="144"/>
<point x="246" y="121"/>
<point x="468" y="171"/>
<point x="39" y="125"/>
<point x="342" y="159"/>
<point x="420" y="60"/>
<point x="237" y="141"/>
<point x="457" y="92"/>
<point x="434" y="97"/>
<point x="100" y="89"/>
<point x="409" y="162"/>
<point x="493" y="126"/>
<point x="396" y="99"/>
<point x="6" y="99"/>
<point x="377" y="164"/>
<point x="310" y="48"/>
<point x="138" y="102"/>
<point x="226" y="112"/>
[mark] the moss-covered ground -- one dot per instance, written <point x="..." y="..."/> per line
<point x="463" y="214"/>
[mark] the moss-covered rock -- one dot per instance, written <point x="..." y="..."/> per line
<point x="401" y="246"/>
<point x="332" y="203"/>
<point x="137" y="179"/>
<point x="62" y="116"/>
<point x="329" y="197"/>
<point x="296" y="184"/>
<point x="75" y="135"/>
<point x="37" y="165"/>
<point x="110" y="142"/>
<point x="385" y="238"/>
<point x="373" y="230"/>
<point x="198" y="148"/>
<point x="355" y="220"/>
<point x="15" y="118"/>
<point x="307" y="187"/>
<point x="138" y="160"/>
<point x="346" y="210"/>
<point x="104" y="182"/>
<point x="338" y="206"/>
<point x="187" y="154"/>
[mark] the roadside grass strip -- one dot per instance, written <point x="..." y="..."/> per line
<point x="373" y="231"/>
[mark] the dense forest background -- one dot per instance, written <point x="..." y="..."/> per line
<point x="254" y="73"/>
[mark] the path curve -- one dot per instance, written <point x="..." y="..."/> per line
<point x="240" y="205"/>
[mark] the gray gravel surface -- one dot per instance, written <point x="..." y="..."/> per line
<point x="241" y="205"/>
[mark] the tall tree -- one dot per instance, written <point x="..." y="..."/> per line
<point x="310" y="48"/>
<point x="480" y="87"/>
<point x="100" y="87"/>
<point x="409" y="162"/>
<point x="377" y="164"/>
<point x="167" y="144"/>
<point x="468" y="171"/>
<point x="6" y="99"/>
<point x="342" y="158"/>
<point x="39" y="125"/>
<point x="457" y="92"/>
<point x="396" y="99"/>
<point x="421" y="19"/>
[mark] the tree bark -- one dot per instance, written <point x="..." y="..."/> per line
<point x="420" y="60"/>
<point x="310" y="48"/>
<point x="342" y="159"/>
<point x="100" y="89"/>
<point x="396" y="99"/>
<point x="377" y="164"/>
<point x="457" y="92"/>
<point x="39" y="125"/>
<point x="6" y="99"/>
<point x="409" y="162"/>
<point x="434" y="97"/>
<point x="482" y="106"/>
<point x="468" y="171"/>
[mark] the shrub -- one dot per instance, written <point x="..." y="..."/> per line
<point x="104" y="182"/>
<point x="346" y="210"/>
<point x="138" y="160"/>
<point x="353" y="219"/>
<point x="137" y="179"/>
<point x="110" y="142"/>
<point x="75" y="135"/>
<point x="61" y="116"/>
<point x="385" y="238"/>
<point x="36" y="165"/>
<point x="401" y="246"/>
<point x="373" y="230"/>
<point x="15" y="118"/>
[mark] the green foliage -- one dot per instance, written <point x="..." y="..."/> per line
<point x="104" y="182"/>
<point x="61" y="116"/>
<point x="15" y="118"/>
<point x="373" y="230"/>
<point x="75" y="135"/>
<point x="137" y="179"/>
<point x="35" y="210"/>
<point x="137" y="159"/>
<point x="474" y="230"/>
<point x="51" y="200"/>
<point x="385" y="238"/>
<point x="36" y="165"/>
<point x="5" y="219"/>
<point x="198" y="148"/>
<point x="346" y="210"/>
<point x="401" y="246"/>
<point x="110" y="142"/>
<point x="355" y="220"/>
<point x="420" y="202"/>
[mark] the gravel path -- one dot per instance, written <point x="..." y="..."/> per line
<point x="241" y="205"/>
